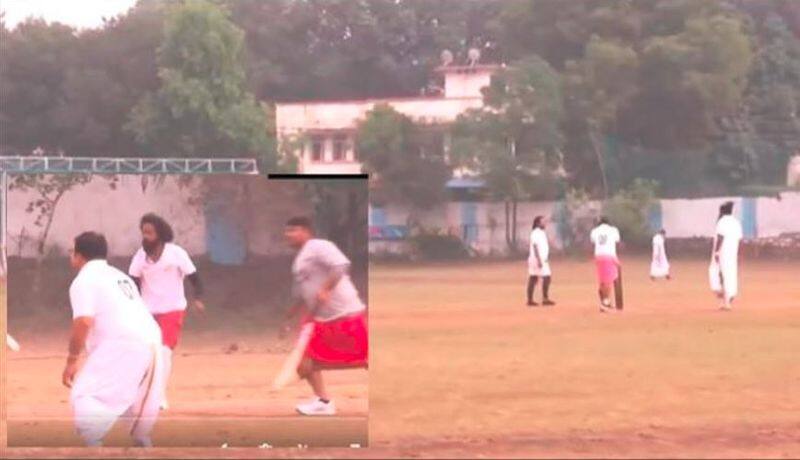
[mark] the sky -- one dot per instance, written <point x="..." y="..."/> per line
<point x="80" y="14"/>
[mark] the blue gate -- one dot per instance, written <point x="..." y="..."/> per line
<point x="749" y="221"/>
<point x="469" y="222"/>
<point x="225" y="236"/>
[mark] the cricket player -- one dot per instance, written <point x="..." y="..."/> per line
<point x="539" y="262"/>
<point x="605" y="238"/>
<point x="659" y="266"/>
<point x="723" y="270"/>
<point x="122" y="370"/>
<point x="158" y="268"/>
<point x="322" y="286"/>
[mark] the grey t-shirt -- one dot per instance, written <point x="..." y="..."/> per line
<point x="317" y="260"/>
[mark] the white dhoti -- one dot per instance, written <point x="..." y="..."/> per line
<point x="659" y="267"/>
<point x="118" y="380"/>
<point x="535" y="270"/>
<point x="723" y="277"/>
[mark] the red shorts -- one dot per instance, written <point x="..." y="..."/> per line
<point x="606" y="269"/>
<point x="171" y="324"/>
<point x="340" y="343"/>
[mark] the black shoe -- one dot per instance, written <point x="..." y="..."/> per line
<point x="532" y="304"/>
<point x="548" y="302"/>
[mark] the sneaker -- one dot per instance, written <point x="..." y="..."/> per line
<point x="164" y="404"/>
<point x="548" y="302"/>
<point x="316" y="407"/>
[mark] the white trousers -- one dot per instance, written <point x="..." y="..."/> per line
<point x="724" y="277"/>
<point x="659" y="267"/>
<point x="118" y="380"/>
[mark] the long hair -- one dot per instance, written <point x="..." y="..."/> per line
<point x="163" y="229"/>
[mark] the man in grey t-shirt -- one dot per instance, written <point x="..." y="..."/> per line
<point x="322" y="286"/>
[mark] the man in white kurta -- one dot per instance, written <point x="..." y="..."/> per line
<point x="122" y="370"/>
<point x="659" y="266"/>
<point x="724" y="267"/>
<point x="539" y="262"/>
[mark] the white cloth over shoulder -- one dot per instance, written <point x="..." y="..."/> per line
<point x="659" y="266"/>
<point x="538" y="240"/>
<point x="724" y="277"/>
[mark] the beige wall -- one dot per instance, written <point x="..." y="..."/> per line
<point x="263" y="206"/>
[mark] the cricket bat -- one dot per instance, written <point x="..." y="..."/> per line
<point x="288" y="372"/>
<point x="618" y="301"/>
<point x="12" y="344"/>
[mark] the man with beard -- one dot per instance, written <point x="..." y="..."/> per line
<point x="158" y="268"/>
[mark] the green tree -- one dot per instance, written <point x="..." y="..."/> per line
<point x="406" y="162"/>
<point x="629" y="208"/>
<point x="35" y="58"/>
<point x="689" y="80"/>
<point x="342" y="49"/>
<point x="600" y="85"/>
<point x="202" y="107"/>
<point x="515" y="140"/>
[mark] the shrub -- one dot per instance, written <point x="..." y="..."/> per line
<point x="433" y="245"/>
<point x="628" y="210"/>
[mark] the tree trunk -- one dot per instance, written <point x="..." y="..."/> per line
<point x="593" y="136"/>
<point x="36" y="283"/>
<point x="514" y="225"/>
<point x="507" y="222"/>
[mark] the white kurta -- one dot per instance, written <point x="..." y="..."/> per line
<point x="659" y="266"/>
<point x="123" y="368"/>
<point x="724" y="277"/>
<point x="539" y="241"/>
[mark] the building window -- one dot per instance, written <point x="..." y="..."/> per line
<point x="339" y="148"/>
<point x="317" y="149"/>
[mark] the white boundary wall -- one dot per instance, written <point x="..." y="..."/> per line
<point x="682" y="218"/>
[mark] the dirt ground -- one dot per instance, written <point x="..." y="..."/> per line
<point x="217" y="396"/>
<point x="461" y="368"/>
<point x="671" y="376"/>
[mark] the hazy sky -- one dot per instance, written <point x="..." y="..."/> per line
<point x="77" y="13"/>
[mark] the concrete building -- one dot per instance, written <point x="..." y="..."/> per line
<point x="322" y="133"/>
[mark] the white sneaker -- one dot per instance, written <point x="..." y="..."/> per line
<point x="316" y="407"/>
<point x="164" y="404"/>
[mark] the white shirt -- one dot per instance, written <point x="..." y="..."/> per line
<point x="162" y="281"/>
<point x="539" y="239"/>
<point x="106" y="294"/>
<point x="731" y="230"/>
<point x="605" y="238"/>
<point x="312" y="266"/>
